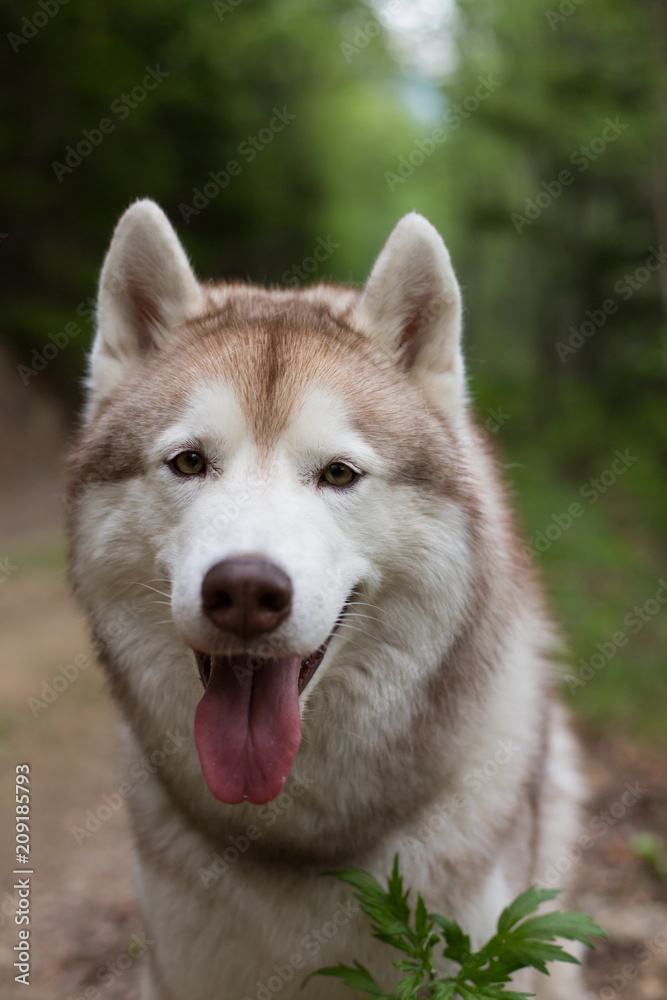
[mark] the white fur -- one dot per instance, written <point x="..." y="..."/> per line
<point x="413" y="286"/>
<point x="145" y="261"/>
<point x="414" y="556"/>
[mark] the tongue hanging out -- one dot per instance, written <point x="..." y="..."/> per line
<point x="248" y="727"/>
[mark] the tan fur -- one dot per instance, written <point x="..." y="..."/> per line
<point x="449" y="617"/>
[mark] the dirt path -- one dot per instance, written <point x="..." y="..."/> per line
<point x="85" y="931"/>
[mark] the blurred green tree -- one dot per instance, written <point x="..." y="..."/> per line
<point x="103" y="103"/>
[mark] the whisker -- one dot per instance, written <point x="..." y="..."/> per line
<point x="370" y="618"/>
<point x="368" y="604"/>
<point x="354" y="629"/>
<point x="161" y="592"/>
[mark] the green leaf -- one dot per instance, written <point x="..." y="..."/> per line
<point x="357" y="978"/>
<point x="570" y="926"/>
<point x="361" y="880"/>
<point x="443" y="990"/>
<point x="409" y="986"/>
<point x="422" y="923"/>
<point x="490" y="993"/>
<point x="458" y="944"/>
<point x="521" y="941"/>
<point x="524" y="904"/>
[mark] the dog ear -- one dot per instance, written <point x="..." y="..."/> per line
<point x="147" y="287"/>
<point x="411" y="307"/>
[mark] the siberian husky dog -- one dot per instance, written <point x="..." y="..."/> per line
<point x="336" y="650"/>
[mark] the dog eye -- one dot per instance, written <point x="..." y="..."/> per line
<point x="189" y="463"/>
<point x="338" y="474"/>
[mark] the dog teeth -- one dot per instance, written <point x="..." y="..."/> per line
<point x="204" y="667"/>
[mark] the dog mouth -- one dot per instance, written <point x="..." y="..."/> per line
<point x="307" y="669"/>
<point x="248" y="722"/>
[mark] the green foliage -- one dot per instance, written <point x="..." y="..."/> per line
<point x="520" y="942"/>
<point x="560" y="77"/>
<point x="228" y="67"/>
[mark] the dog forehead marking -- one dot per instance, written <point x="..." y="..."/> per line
<point x="272" y="367"/>
<point x="321" y="422"/>
<point x="318" y="424"/>
<point x="213" y="414"/>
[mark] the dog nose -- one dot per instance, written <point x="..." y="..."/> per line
<point x="246" y="595"/>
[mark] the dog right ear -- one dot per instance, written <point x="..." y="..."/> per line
<point x="411" y="308"/>
<point x="147" y="287"/>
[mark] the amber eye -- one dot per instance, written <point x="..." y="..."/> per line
<point x="338" y="474"/>
<point x="189" y="463"/>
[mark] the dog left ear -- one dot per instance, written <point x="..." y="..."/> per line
<point x="147" y="289"/>
<point x="411" y="307"/>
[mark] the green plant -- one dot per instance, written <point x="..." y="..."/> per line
<point x="518" y="943"/>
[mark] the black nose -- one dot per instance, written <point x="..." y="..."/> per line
<point x="246" y="595"/>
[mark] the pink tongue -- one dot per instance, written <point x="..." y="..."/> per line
<point x="248" y="728"/>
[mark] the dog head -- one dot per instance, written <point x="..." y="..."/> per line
<point x="287" y="469"/>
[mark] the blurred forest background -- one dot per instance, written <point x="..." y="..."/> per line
<point x="546" y="174"/>
<point x="533" y="134"/>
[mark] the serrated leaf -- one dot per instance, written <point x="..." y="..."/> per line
<point x="501" y="957"/>
<point x="480" y="992"/>
<point x="397" y="898"/>
<point x="409" y="986"/>
<point x="520" y="942"/>
<point x="492" y="993"/>
<point x="443" y="990"/>
<point x="394" y="941"/>
<point x="363" y="881"/>
<point x="458" y="943"/>
<point x="569" y="926"/>
<point x="507" y="994"/>
<point x="422" y="923"/>
<point x="406" y="965"/>
<point x="356" y="977"/>
<point x="524" y="904"/>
